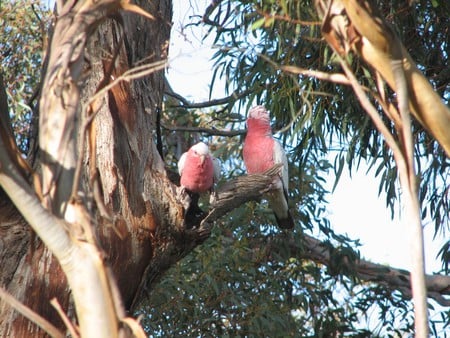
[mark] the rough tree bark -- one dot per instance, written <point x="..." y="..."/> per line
<point x="127" y="168"/>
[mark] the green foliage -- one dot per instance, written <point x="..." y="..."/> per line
<point x="237" y="284"/>
<point x="232" y="286"/>
<point x="254" y="40"/>
<point x="22" y="30"/>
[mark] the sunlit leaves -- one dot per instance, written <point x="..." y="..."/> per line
<point x="250" y="57"/>
<point x="23" y="27"/>
<point x="237" y="284"/>
<point x="323" y="128"/>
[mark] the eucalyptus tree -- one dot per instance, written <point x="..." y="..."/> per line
<point x="92" y="217"/>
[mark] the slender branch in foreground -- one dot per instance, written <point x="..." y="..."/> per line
<point x="412" y="204"/>
<point x="67" y="322"/>
<point x="332" y="77"/>
<point x="30" y="314"/>
<point x="405" y="168"/>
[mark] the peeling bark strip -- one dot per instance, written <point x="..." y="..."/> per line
<point x="352" y="25"/>
<point x="357" y="26"/>
<point x="60" y="99"/>
<point x="120" y="99"/>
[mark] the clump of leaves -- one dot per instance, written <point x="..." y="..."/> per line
<point x="23" y="26"/>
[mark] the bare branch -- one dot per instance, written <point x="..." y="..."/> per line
<point x="396" y="279"/>
<point x="220" y="26"/>
<point x="208" y="131"/>
<point x="70" y="326"/>
<point x="30" y="314"/>
<point x="372" y="112"/>
<point x="335" y="78"/>
<point x="236" y="95"/>
<point x="240" y="190"/>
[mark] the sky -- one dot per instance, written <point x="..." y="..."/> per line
<point x="354" y="207"/>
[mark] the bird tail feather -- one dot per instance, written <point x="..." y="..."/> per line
<point x="285" y="223"/>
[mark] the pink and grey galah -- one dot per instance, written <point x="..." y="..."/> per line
<point x="261" y="152"/>
<point x="198" y="169"/>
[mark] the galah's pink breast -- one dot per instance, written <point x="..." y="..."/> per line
<point x="258" y="153"/>
<point x="197" y="176"/>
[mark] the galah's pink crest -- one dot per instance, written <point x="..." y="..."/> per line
<point x="198" y="169"/>
<point x="261" y="152"/>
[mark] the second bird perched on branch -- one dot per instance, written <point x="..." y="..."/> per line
<point x="198" y="170"/>
<point x="261" y="151"/>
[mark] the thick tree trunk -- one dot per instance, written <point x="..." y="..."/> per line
<point x="145" y="233"/>
<point x="29" y="272"/>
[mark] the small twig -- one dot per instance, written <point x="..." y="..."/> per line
<point x="131" y="74"/>
<point x="372" y="112"/>
<point x="30" y="314"/>
<point x="134" y="326"/>
<point x="67" y="322"/>
<point x="208" y="131"/>
<point x="236" y="95"/>
<point x="332" y="77"/>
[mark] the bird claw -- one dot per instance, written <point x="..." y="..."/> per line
<point x="183" y="197"/>
<point x="213" y="197"/>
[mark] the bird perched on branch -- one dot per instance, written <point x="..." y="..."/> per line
<point x="261" y="152"/>
<point x="198" y="170"/>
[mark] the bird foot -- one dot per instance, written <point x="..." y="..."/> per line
<point x="213" y="196"/>
<point x="183" y="197"/>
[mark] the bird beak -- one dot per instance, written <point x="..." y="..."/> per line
<point x="202" y="159"/>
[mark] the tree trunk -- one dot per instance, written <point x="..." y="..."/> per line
<point x="145" y="233"/>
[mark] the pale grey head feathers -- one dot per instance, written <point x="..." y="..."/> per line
<point x="200" y="149"/>
<point x="259" y="112"/>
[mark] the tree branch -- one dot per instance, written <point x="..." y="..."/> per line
<point x="208" y="131"/>
<point x="332" y="77"/>
<point x="250" y="187"/>
<point x="30" y="314"/>
<point x="395" y="279"/>
<point x="236" y="95"/>
<point x="239" y="191"/>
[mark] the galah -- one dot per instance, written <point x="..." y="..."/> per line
<point x="261" y="152"/>
<point x="198" y="169"/>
